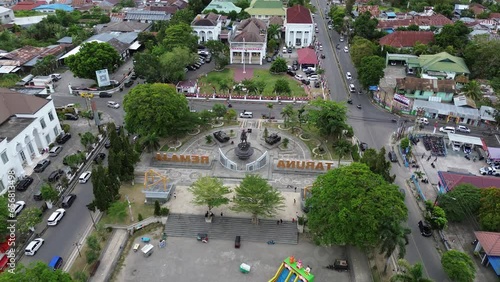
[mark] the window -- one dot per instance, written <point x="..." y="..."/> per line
<point x="47" y="138"/>
<point x="42" y="123"/>
<point x="5" y="159"/>
<point x="56" y="131"/>
<point x="51" y="116"/>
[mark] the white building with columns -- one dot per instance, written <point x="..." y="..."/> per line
<point x="208" y="27"/>
<point x="248" y="42"/>
<point x="299" y="27"/>
<point x="28" y="124"/>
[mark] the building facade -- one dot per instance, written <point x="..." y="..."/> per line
<point x="208" y="27"/>
<point x="28" y="124"/>
<point x="299" y="27"/>
<point x="247" y="44"/>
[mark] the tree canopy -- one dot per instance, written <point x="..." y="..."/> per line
<point x="179" y="35"/>
<point x="482" y="58"/>
<point x="279" y="66"/>
<point x="454" y="35"/>
<point x="458" y="266"/>
<point x="282" y="86"/>
<point x="351" y="205"/>
<point x="361" y="48"/>
<point x="329" y="117"/>
<point x="209" y="191"/>
<point x="489" y="217"/>
<point x="93" y="56"/>
<point x="5" y="214"/>
<point x="220" y="53"/>
<point x="36" y="271"/>
<point x="464" y="200"/>
<point x="255" y="196"/>
<point x="157" y="108"/>
<point x="378" y="164"/>
<point x="409" y="273"/>
<point x="371" y="70"/>
<point x="366" y="26"/>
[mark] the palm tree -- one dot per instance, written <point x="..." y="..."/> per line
<point x="286" y="113"/>
<point x="473" y="90"/>
<point x="272" y="31"/>
<point x="410" y="273"/>
<point x="342" y="148"/>
<point x="393" y="235"/>
<point x="223" y="86"/>
<point x="270" y="107"/>
<point x="151" y="143"/>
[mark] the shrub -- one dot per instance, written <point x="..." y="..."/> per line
<point x="164" y="211"/>
<point x="139" y="217"/>
<point x="208" y="139"/>
<point x="285" y="143"/>
<point x="66" y="127"/>
<point x="157" y="209"/>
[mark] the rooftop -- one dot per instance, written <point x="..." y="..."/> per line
<point x="415" y="83"/>
<point x="403" y="39"/>
<point x="27" y="5"/>
<point x="13" y="103"/>
<point x="490" y="241"/>
<point x="298" y="15"/>
<point x="443" y="62"/>
<point x="452" y="179"/>
<point x="251" y="30"/>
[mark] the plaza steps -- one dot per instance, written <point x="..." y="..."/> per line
<point x="227" y="228"/>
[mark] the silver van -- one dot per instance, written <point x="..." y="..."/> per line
<point x="352" y="88"/>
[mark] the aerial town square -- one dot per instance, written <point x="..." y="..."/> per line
<point x="249" y="140"/>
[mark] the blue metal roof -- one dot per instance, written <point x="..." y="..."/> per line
<point x="63" y="7"/>
<point x="391" y="14"/>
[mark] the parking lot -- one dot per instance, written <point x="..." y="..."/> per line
<point x="186" y="259"/>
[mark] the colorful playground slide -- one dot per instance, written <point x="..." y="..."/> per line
<point x="291" y="270"/>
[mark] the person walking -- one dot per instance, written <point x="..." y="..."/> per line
<point x="295" y="189"/>
<point x="294" y="201"/>
<point x="221" y="214"/>
<point x="278" y="222"/>
<point x="281" y="221"/>
<point x="175" y="195"/>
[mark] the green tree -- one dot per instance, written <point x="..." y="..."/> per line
<point x="378" y="164"/>
<point x="93" y="249"/>
<point x="435" y="216"/>
<point x="409" y="273"/>
<point x="219" y="110"/>
<point x="260" y="85"/>
<point x="157" y="108"/>
<point x="179" y="35"/>
<point x="393" y="235"/>
<point x="243" y="4"/>
<point x="36" y="271"/>
<point x="281" y="86"/>
<point x="360" y="49"/>
<point x="45" y="66"/>
<point x="103" y="194"/>
<point x="445" y="9"/>
<point x="231" y="115"/>
<point x="220" y="53"/>
<point x="88" y="139"/>
<point x="118" y="210"/>
<point x="351" y="205"/>
<point x="151" y="143"/>
<point x="279" y="66"/>
<point x="209" y="191"/>
<point x="173" y="64"/>
<point x="273" y="32"/>
<point x="371" y="70"/>
<point x="80" y="276"/>
<point x="255" y="196"/>
<point x="5" y="214"/>
<point x="147" y="65"/>
<point x="329" y="117"/>
<point x="463" y="200"/>
<point x="473" y="90"/>
<point x="249" y="84"/>
<point x="157" y="208"/>
<point x="455" y="35"/>
<point x="482" y="59"/>
<point x="93" y="56"/>
<point x="74" y="160"/>
<point x="366" y="26"/>
<point x="337" y="14"/>
<point x="28" y="219"/>
<point x="489" y="217"/>
<point x="185" y="16"/>
<point x="458" y="266"/>
<point x="342" y="148"/>
<point x="49" y="194"/>
<point x="287" y="113"/>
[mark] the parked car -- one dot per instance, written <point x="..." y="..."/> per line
<point x="105" y="95"/>
<point x="348" y="75"/>
<point x="24" y="183"/>
<point x="113" y="104"/>
<point x="99" y="158"/>
<point x="392" y="156"/>
<point x="63" y="138"/>
<point x="221" y="136"/>
<point x="107" y="145"/>
<point x="41" y="165"/>
<point x="128" y="83"/>
<point x="463" y="128"/>
<point x="299" y="77"/>
<point x="55" y="151"/>
<point x="447" y="129"/>
<point x="273" y="138"/>
<point x="33" y="247"/>
<point x="68" y="200"/>
<point x="55" y="175"/>
<point x="18" y="207"/>
<point x="133" y="76"/>
<point x="291" y="73"/>
<point x="317" y="84"/>
<point x="55" y="76"/>
<point x="425" y="229"/>
<point x="69" y="116"/>
<point x="55" y="217"/>
<point x="84" y="177"/>
<point x="246" y="115"/>
<point x="346" y="49"/>
<point x="289" y="50"/>
<point x="487" y="170"/>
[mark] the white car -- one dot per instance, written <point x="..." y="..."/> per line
<point x="55" y="76"/>
<point x="55" y="217"/>
<point x="346" y="49"/>
<point x="299" y="76"/>
<point x="447" y="129"/>
<point x="114" y="105"/>
<point x="33" y="246"/>
<point x="329" y="26"/>
<point x="423" y="120"/>
<point x="348" y="75"/>
<point x="246" y="115"/>
<point x="463" y="128"/>
<point x="18" y="207"/>
<point x="321" y="47"/>
<point x="486" y="170"/>
<point x="85" y="177"/>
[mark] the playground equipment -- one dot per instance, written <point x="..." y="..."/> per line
<point x="292" y="270"/>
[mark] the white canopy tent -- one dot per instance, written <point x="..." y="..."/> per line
<point x="464" y="139"/>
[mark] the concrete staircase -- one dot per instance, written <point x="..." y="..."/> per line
<point x="227" y="228"/>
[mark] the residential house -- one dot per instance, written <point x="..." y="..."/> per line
<point x="248" y="42"/>
<point x="488" y="249"/>
<point x="299" y="27"/>
<point x="449" y="112"/>
<point x="449" y="180"/>
<point x="222" y="6"/>
<point x="52" y="8"/>
<point x="108" y="5"/>
<point x="265" y="9"/>
<point x="6" y="15"/>
<point x="26" y="22"/>
<point x="426" y="89"/>
<point x="487" y="114"/>
<point x="458" y="8"/>
<point x="27" y="5"/>
<point x="145" y="16"/>
<point x="122" y="27"/>
<point x="28" y="124"/>
<point x="178" y="4"/>
<point x="188" y="86"/>
<point x="407" y="39"/>
<point x="477" y="8"/>
<point x="208" y="27"/>
<point x="441" y="66"/>
<point x="423" y="22"/>
<point x="373" y="10"/>
<point x="23" y="59"/>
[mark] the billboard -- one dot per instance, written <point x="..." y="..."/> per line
<point x="102" y="77"/>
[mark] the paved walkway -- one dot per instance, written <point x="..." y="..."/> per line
<point x="111" y="255"/>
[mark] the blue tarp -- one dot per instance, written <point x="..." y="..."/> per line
<point x="495" y="263"/>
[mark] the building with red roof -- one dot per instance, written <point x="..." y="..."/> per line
<point x="299" y="27"/>
<point x="407" y="39"/>
<point x="27" y="5"/>
<point x="449" y="180"/>
<point x="489" y="243"/>
<point x="307" y="56"/>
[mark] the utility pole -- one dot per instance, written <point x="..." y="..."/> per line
<point x="130" y="209"/>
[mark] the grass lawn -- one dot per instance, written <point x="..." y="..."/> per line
<point x="212" y="78"/>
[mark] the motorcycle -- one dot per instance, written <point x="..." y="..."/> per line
<point x="359" y="107"/>
<point x="467" y="157"/>
<point x="349" y="101"/>
<point x="394" y="120"/>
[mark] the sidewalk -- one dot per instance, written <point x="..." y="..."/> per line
<point x="111" y="254"/>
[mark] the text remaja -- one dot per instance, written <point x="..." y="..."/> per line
<point x="282" y="164"/>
